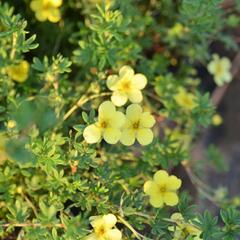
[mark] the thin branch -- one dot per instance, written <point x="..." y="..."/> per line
<point x="5" y="225"/>
<point x="82" y="100"/>
<point x="138" y="235"/>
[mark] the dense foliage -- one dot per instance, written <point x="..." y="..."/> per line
<point x="100" y="107"/>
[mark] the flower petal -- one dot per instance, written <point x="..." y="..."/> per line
<point x="144" y="136"/>
<point x="156" y="201"/>
<point x="127" y="137"/>
<point x="106" y="109"/>
<point x="161" y="177"/>
<point x="139" y="81"/>
<point x="173" y="183"/>
<point x="41" y="15"/>
<point x="211" y="67"/>
<point x="56" y="3"/>
<point x="36" y="5"/>
<point x="117" y="120"/>
<point x="92" y="134"/>
<point x="133" y="112"/>
<point x="126" y="71"/>
<point x="112" y="81"/>
<point x="109" y="220"/>
<point x="147" y="120"/>
<point x="151" y="188"/>
<point x="226" y="63"/>
<point x="54" y="15"/>
<point x="135" y="96"/>
<point x="111" y="135"/>
<point x="119" y="98"/>
<point x="92" y="236"/>
<point x="113" y="234"/>
<point x="170" y="198"/>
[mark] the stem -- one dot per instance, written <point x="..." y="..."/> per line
<point x="82" y="100"/>
<point x="14" y="42"/>
<point x="202" y="187"/>
<point x="138" y="235"/>
<point x="153" y="96"/>
<point x="30" y="204"/>
<point x="5" y="225"/>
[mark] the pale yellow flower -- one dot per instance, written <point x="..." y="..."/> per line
<point x="137" y="126"/>
<point x="11" y="124"/>
<point x="108" y="126"/>
<point x="104" y="228"/>
<point x="19" y="72"/>
<point x="220" y="69"/>
<point x="183" y="229"/>
<point x="177" y="30"/>
<point x="46" y="10"/>
<point x="162" y="189"/>
<point x="217" y="120"/>
<point x="185" y="99"/>
<point x="126" y="85"/>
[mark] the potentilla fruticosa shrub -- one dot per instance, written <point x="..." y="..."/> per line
<point x="99" y="106"/>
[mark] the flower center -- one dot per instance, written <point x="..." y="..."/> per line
<point x="187" y="101"/>
<point x="47" y="5"/>
<point x="101" y="231"/>
<point x="126" y="85"/>
<point x="162" y="189"/>
<point x="219" y="69"/>
<point x="136" y="125"/>
<point x="103" y="124"/>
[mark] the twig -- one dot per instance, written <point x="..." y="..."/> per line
<point x="202" y="187"/>
<point x="5" y="225"/>
<point x="30" y="204"/>
<point x="138" y="235"/>
<point x="82" y="100"/>
<point x="14" y="42"/>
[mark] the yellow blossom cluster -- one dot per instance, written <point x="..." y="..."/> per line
<point x="183" y="230"/>
<point x="46" y="10"/>
<point x="19" y="72"/>
<point x="104" y="228"/>
<point x="162" y="189"/>
<point x="113" y="125"/>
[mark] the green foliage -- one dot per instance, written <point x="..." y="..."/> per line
<point x="51" y="179"/>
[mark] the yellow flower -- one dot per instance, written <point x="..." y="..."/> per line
<point x="177" y="30"/>
<point x="108" y="125"/>
<point x="137" y="126"/>
<point x="104" y="228"/>
<point x="11" y="124"/>
<point x="220" y="69"/>
<point x="183" y="229"/>
<point x="19" y="72"/>
<point x="46" y="10"/>
<point x="185" y="99"/>
<point x="217" y="120"/>
<point x="162" y="189"/>
<point x="126" y="85"/>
